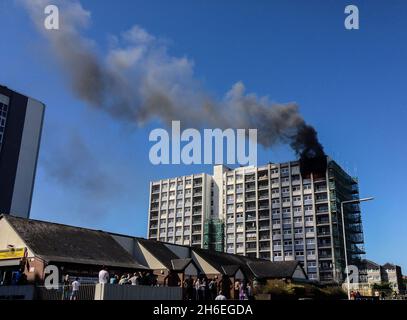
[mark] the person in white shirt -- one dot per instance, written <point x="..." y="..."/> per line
<point x="134" y="279"/>
<point x="103" y="275"/>
<point x="220" y="296"/>
<point x="75" y="289"/>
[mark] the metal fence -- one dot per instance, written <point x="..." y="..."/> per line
<point x="85" y="292"/>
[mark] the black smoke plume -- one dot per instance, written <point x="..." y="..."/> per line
<point x="310" y="151"/>
<point x="137" y="81"/>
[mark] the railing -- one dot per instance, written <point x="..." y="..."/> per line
<point x="85" y="292"/>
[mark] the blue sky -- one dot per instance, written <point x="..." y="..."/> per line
<point x="351" y="85"/>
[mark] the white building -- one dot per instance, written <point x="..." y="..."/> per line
<point x="270" y="212"/>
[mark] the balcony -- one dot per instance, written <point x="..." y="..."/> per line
<point x="263" y="186"/>
<point x="240" y="250"/>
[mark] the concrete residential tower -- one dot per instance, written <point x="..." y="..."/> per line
<point x="21" y="121"/>
<point x="272" y="212"/>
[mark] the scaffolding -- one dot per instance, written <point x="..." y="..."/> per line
<point x="343" y="187"/>
<point x="214" y="235"/>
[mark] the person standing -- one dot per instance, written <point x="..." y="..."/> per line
<point x="197" y="284"/>
<point x="220" y="296"/>
<point x="189" y="288"/>
<point x="236" y="289"/>
<point x="75" y="289"/>
<point x="123" y="280"/>
<point x="103" y="275"/>
<point x="134" y="280"/>
<point x="213" y="289"/>
<point x="202" y="289"/>
<point x="249" y="291"/>
<point x="242" y="292"/>
<point x="65" y="287"/>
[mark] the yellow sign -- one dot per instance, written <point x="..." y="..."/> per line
<point x="12" y="253"/>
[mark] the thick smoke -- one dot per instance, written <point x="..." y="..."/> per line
<point x="137" y="80"/>
<point x="310" y="151"/>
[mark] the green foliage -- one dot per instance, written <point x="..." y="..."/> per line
<point x="279" y="289"/>
<point x="382" y="286"/>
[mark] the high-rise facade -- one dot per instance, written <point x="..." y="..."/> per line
<point x="21" y="121"/>
<point x="273" y="212"/>
<point x="178" y="209"/>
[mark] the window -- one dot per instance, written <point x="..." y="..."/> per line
<point x="310" y="241"/>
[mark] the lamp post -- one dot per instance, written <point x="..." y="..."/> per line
<point x="344" y="236"/>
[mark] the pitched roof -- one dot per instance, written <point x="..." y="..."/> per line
<point x="180" y="264"/>
<point x="160" y="251"/>
<point x="389" y="266"/>
<point x="54" y="242"/>
<point x="226" y="263"/>
<point x="370" y="265"/>
<point x="276" y="269"/>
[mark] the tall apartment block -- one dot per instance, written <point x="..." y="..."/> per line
<point x="21" y="121"/>
<point x="179" y="208"/>
<point x="271" y="212"/>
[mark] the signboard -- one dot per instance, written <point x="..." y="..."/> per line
<point x="12" y="253"/>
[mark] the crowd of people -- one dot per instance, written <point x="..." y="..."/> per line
<point x="199" y="288"/>
<point x="203" y="288"/>
<point x="71" y="285"/>
<point x="137" y="278"/>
